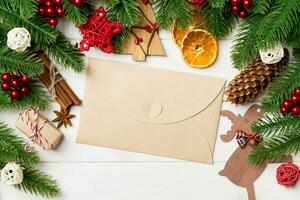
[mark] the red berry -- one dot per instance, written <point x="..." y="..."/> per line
<point x="49" y="3"/>
<point x="247" y="4"/>
<point x="57" y="2"/>
<point x="14" y="94"/>
<point x="148" y="28"/>
<point x="138" y="40"/>
<point x="295" y="99"/>
<point x="15" y="75"/>
<point x="71" y="1"/>
<point x="60" y="11"/>
<point x="235" y="9"/>
<point x="15" y="83"/>
<point x="297" y="91"/>
<point x="235" y="2"/>
<point x="40" y="1"/>
<point x="287" y="104"/>
<point x="5" y="86"/>
<point x="243" y="14"/>
<point x="42" y="10"/>
<point x="283" y="110"/>
<point x="53" y="21"/>
<point x="194" y="2"/>
<point x="296" y="111"/>
<point x="5" y="77"/>
<point x="78" y="3"/>
<point x="50" y="11"/>
<point x="24" y="90"/>
<point x="25" y="79"/>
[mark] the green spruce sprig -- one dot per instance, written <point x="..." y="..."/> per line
<point x="261" y="6"/>
<point x="78" y="15"/>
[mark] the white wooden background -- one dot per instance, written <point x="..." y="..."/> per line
<point x="94" y="173"/>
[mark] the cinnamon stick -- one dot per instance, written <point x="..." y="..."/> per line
<point x="65" y="95"/>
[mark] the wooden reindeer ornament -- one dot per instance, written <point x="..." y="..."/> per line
<point x="143" y="39"/>
<point x="238" y="169"/>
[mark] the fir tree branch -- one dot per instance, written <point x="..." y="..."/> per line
<point x="28" y="8"/>
<point x="126" y="11"/>
<point x="38" y="183"/>
<point x="65" y="54"/>
<point x="38" y="27"/>
<point x="217" y="3"/>
<point x="168" y="12"/>
<point x="283" y="85"/>
<point x="274" y="31"/>
<point x="37" y="97"/>
<point x="275" y="148"/>
<point x="293" y="40"/>
<point x="272" y="124"/>
<point x="218" y="21"/>
<point x="261" y="6"/>
<point x="78" y="15"/>
<point x="12" y="148"/>
<point x="24" y="63"/>
<point x="244" y="50"/>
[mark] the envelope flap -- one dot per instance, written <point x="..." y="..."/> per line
<point x="153" y="95"/>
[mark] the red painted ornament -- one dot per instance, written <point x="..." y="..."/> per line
<point x="50" y="11"/>
<point x="78" y="3"/>
<point x="60" y="11"/>
<point x="243" y="14"/>
<point x="145" y="2"/>
<point x="247" y="4"/>
<point x="52" y="21"/>
<point x="5" y="77"/>
<point x="296" y="111"/>
<point x="235" y="2"/>
<point x="235" y="9"/>
<point x="15" y="83"/>
<point x="25" y="79"/>
<point x="14" y="94"/>
<point x="284" y="110"/>
<point x="297" y="91"/>
<point x="40" y="1"/>
<point x="24" y="90"/>
<point x="295" y="99"/>
<point x="49" y="3"/>
<point x="98" y="32"/>
<point x="148" y="28"/>
<point x="42" y="10"/>
<point x="198" y="2"/>
<point x="58" y="2"/>
<point x="5" y="86"/>
<point x="138" y="40"/>
<point x="287" y="104"/>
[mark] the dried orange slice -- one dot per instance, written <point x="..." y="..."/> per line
<point x="199" y="48"/>
<point x="179" y="33"/>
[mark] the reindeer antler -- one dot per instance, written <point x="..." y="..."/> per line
<point x="231" y="133"/>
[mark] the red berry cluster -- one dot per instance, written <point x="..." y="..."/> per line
<point x="77" y="3"/>
<point x="292" y="105"/>
<point x="15" y="84"/>
<point x="52" y="9"/>
<point x="240" y="7"/>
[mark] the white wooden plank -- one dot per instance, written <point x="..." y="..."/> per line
<point x="152" y="181"/>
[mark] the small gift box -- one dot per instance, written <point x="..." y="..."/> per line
<point x="38" y="129"/>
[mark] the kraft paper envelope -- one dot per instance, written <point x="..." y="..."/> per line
<point x="147" y="110"/>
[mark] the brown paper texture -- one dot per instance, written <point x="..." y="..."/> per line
<point x="49" y="132"/>
<point x="148" y="110"/>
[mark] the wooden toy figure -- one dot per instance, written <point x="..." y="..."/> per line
<point x="238" y="169"/>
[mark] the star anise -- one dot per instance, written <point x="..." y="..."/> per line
<point x="63" y="118"/>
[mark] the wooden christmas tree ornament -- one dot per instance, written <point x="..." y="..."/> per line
<point x="143" y="39"/>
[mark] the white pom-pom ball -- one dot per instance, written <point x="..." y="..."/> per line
<point x="272" y="56"/>
<point x="12" y="174"/>
<point x="18" y="39"/>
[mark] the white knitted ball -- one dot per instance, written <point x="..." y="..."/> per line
<point x="18" y="39"/>
<point x="12" y="174"/>
<point x="272" y="56"/>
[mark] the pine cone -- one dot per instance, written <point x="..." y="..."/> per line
<point x="253" y="80"/>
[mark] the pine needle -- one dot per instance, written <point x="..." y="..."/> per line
<point x="218" y="21"/>
<point x="78" y="15"/>
<point x="12" y="148"/>
<point x="261" y="6"/>
<point x="25" y="63"/>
